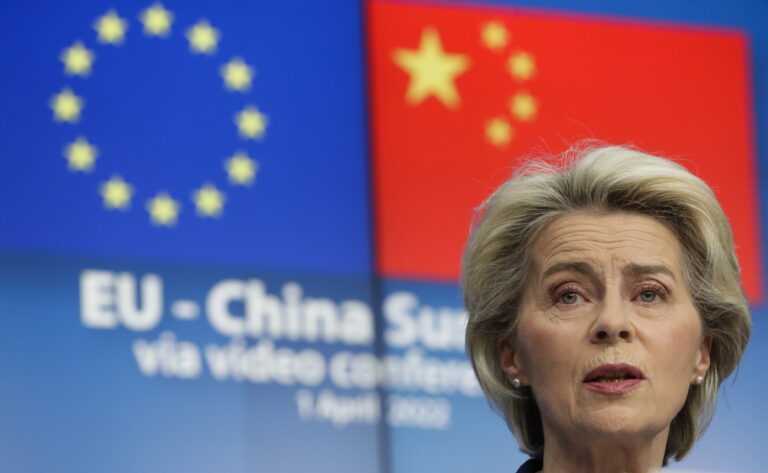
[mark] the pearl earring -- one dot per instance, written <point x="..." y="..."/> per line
<point x="516" y="383"/>
<point x="699" y="380"/>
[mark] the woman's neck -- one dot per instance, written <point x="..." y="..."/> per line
<point x="587" y="454"/>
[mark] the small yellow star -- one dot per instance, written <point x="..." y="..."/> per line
<point x="116" y="193"/>
<point x="111" y="28"/>
<point x="77" y="60"/>
<point x="251" y="123"/>
<point x="521" y="66"/>
<point x="432" y="70"/>
<point x="495" y="36"/>
<point x="80" y="155"/>
<point x="157" y="20"/>
<point x="237" y="75"/>
<point x="209" y="201"/>
<point x="524" y="106"/>
<point x="66" y="106"/>
<point x="498" y="132"/>
<point x="163" y="210"/>
<point x="241" y="169"/>
<point x="203" y="38"/>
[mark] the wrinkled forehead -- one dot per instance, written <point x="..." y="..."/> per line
<point x="607" y="244"/>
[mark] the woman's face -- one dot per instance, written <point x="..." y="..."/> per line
<point x="608" y="337"/>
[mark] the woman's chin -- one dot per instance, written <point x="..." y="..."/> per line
<point x="620" y="419"/>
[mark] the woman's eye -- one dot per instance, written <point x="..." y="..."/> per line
<point x="569" y="298"/>
<point x="648" y="296"/>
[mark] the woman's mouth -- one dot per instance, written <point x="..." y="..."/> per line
<point x="613" y="378"/>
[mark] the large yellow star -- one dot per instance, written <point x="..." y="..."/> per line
<point x="111" y="28"/>
<point x="498" y="132"/>
<point x="251" y="123"/>
<point x="77" y="59"/>
<point x="163" y="210"/>
<point x="80" y="155"/>
<point x="157" y="20"/>
<point x="116" y="193"/>
<point x="494" y="35"/>
<point x="241" y="169"/>
<point x="521" y="65"/>
<point x="209" y="201"/>
<point x="432" y="70"/>
<point x="237" y="75"/>
<point x="66" y="106"/>
<point x="524" y="106"/>
<point x="203" y="38"/>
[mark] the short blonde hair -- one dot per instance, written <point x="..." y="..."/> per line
<point x="498" y="255"/>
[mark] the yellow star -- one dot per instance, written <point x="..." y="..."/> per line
<point x="163" y="210"/>
<point x="432" y="70"/>
<point x="209" y="201"/>
<point x="66" y="106"/>
<point x="251" y="123"/>
<point x="116" y="193"/>
<point x="237" y="75"/>
<point x="80" y="155"/>
<point x="521" y="66"/>
<point x="203" y="38"/>
<point x="157" y="20"/>
<point x="77" y="59"/>
<point x="498" y="132"/>
<point x="495" y="36"/>
<point x="524" y="106"/>
<point x="111" y="28"/>
<point x="241" y="168"/>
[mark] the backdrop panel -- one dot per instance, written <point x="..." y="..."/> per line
<point x="230" y="233"/>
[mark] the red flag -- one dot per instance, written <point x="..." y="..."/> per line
<point x="457" y="93"/>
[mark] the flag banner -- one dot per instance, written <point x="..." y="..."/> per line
<point x="124" y="367"/>
<point x="459" y="92"/>
<point x="231" y="232"/>
<point x="186" y="132"/>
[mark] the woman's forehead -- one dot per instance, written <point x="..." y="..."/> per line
<point x="630" y="243"/>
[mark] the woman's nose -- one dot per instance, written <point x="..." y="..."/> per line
<point x="612" y="321"/>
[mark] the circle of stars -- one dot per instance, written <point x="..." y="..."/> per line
<point x="81" y="155"/>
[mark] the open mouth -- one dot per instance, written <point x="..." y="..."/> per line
<point x="613" y="373"/>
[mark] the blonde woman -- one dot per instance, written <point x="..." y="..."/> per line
<point x="604" y="309"/>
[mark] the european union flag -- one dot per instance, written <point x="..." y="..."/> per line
<point x="188" y="132"/>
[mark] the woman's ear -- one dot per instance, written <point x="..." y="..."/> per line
<point x="512" y="363"/>
<point x="703" y="360"/>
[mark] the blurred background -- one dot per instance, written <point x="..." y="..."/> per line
<point x="225" y="225"/>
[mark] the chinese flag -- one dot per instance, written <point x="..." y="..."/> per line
<point x="458" y="93"/>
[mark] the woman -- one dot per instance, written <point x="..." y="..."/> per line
<point x="604" y="309"/>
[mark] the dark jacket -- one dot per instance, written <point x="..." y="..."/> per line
<point x="534" y="465"/>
